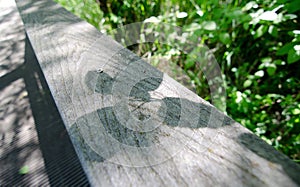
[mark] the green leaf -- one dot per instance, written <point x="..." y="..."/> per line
<point x="294" y="6"/>
<point x="181" y="15"/>
<point x="236" y="15"/>
<point x="266" y="60"/>
<point x="247" y="83"/>
<point x="268" y="16"/>
<point x="209" y="25"/>
<point x="271" y="69"/>
<point x="114" y="18"/>
<point x="290" y="16"/>
<point x="257" y="97"/>
<point x="248" y="6"/>
<point x="293" y="56"/>
<point x="200" y="13"/>
<point x="225" y="38"/>
<point x="296" y="111"/>
<point x="296" y="32"/>
<point x="189" y="64"/>
<point x="273" y="31"/>
<point x="259" y="73"/>
<point x="285" y="49"/>
<point x="24" y="170"/>
<point x="192" y="27"/>
<point x="279" y="62"/>
<point x="260" y="31"/>
<point x="239" y="97"/>
<point x="246" y="25"/>
<point x="152" y="19"/>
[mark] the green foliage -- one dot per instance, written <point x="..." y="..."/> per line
<point x="256" y="43"/>
<point x="88" y="10"/>
<point x="24" y="170"/>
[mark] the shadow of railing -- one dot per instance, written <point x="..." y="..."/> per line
<point x="61" y="162"/>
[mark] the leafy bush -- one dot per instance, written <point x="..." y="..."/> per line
<point x="256" y="43"/>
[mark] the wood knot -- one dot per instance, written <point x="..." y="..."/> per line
<point x="99" y="70"/>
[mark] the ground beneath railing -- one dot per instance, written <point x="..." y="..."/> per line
<point x="34" y="146"/>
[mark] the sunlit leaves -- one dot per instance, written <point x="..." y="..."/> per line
<point x="209" y="25"/>
<point x="152" y="19"/>
<point x="181" y="15"/>
<point x="247" y="83"/>
<point x="271" y="69"/>
<point x="259" y="73"/>
<point x="268" y="16"/>
<point x="260" y="31"/>
<point x="293" y="55"/>
<point x="192" y="27"/>
<point x="250" y="5"/>
<point x="296" y="111"/>
<point x="225" y="38"/>
<point x="273" y="31"/>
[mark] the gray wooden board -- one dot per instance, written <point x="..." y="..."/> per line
<point x="132" y="125"/>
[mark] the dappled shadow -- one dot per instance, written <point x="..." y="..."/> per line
<point x="170" y="110"/>
<point x="264" y="150"/>
<point x="20" y="144"/>
<point x="61" y="161"/>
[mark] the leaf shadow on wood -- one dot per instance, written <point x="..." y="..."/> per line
<point x="264" y="150"/>
<point x="171" y="113"/>
<point x="171" y="118"/>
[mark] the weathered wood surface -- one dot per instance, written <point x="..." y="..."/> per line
<point x="132" y="125"/>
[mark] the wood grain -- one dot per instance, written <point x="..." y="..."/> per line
<point x="132" y="125"/>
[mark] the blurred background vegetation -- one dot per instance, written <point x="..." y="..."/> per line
<point x="256" y="43"/>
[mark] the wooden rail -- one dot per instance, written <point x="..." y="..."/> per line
<point x="132" y="125"/>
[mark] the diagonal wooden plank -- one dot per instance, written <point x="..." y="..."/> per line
<point x="132" y="125"/>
